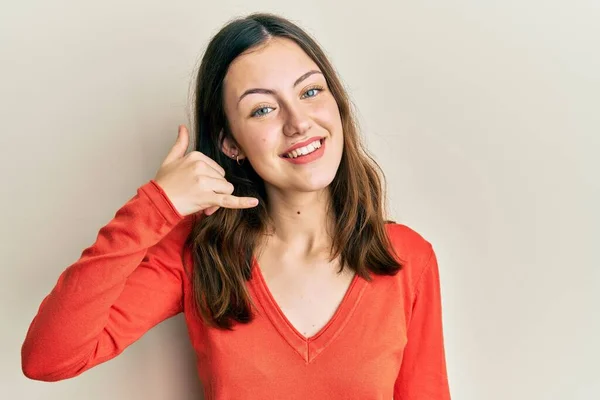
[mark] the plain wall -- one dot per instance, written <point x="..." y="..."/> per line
<point x="484" y="116"/>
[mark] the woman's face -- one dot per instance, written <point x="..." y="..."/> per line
<point x="275" y="98"/>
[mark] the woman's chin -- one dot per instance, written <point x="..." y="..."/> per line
<point x="306" y="185"/>
<point x="314" y="183"/>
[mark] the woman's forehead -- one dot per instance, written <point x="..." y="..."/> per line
<point x="278" y="63"/>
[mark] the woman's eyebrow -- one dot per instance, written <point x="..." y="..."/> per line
<point x="272" y="92"/>
<point x="306" y="75"/>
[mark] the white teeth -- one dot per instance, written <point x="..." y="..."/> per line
<point x="304" y="150"/>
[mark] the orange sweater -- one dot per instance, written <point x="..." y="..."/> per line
<point x="385" y="340"/>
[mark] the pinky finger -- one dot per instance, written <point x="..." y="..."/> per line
<point x="229" y="201"/>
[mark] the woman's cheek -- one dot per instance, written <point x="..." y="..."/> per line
<point x="263" y="141"/>
<point x="327" y="106"/>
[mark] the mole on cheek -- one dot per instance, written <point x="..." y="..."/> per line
<point x="298" y="212"/>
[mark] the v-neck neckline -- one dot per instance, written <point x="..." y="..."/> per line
<point x="307" y="347"/>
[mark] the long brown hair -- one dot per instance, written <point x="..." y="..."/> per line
<point x="223" y="243"/>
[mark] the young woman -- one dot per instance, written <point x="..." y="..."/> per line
<point x="270" y="237"/>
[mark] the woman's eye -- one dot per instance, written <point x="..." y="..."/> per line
<point x="311" y="93"/>
<point x="262" y="111"/>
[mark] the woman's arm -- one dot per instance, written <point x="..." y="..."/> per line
<point x="423" y="372"/>
<point x="128" y="281"/>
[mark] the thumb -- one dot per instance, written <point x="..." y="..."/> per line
<point x="180" y="147"/>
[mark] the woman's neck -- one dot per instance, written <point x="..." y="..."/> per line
<point x="300" y="222"/>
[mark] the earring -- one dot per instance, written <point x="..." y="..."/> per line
<point x="237" y="159"/>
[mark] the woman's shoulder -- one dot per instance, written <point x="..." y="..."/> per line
<point x="181" y="231"/>
<point x="412" y="250"/>
<point x="174" y="246"/>
<point x="407" y="241"/>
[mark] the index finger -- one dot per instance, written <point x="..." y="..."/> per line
<point x="212" y="163"/>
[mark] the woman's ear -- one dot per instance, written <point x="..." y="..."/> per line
<point x="230" y="148"/>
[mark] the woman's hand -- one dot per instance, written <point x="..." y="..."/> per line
<point x="195" y="182"/>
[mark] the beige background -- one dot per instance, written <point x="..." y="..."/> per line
<point x="484" y="115"/>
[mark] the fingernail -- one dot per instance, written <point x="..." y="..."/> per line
<point x="253" y="202"/>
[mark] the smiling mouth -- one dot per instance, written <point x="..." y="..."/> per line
<point x="304" y="151"/>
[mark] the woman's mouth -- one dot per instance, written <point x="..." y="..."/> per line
<point x="306" y="150"/>
<point x="306" y="154"/>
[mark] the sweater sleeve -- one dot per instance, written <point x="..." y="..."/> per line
<point x="423" y="371"/>
<point x="126" y="282"/>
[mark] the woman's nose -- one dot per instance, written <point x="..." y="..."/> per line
<point x="296" y="121"/>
